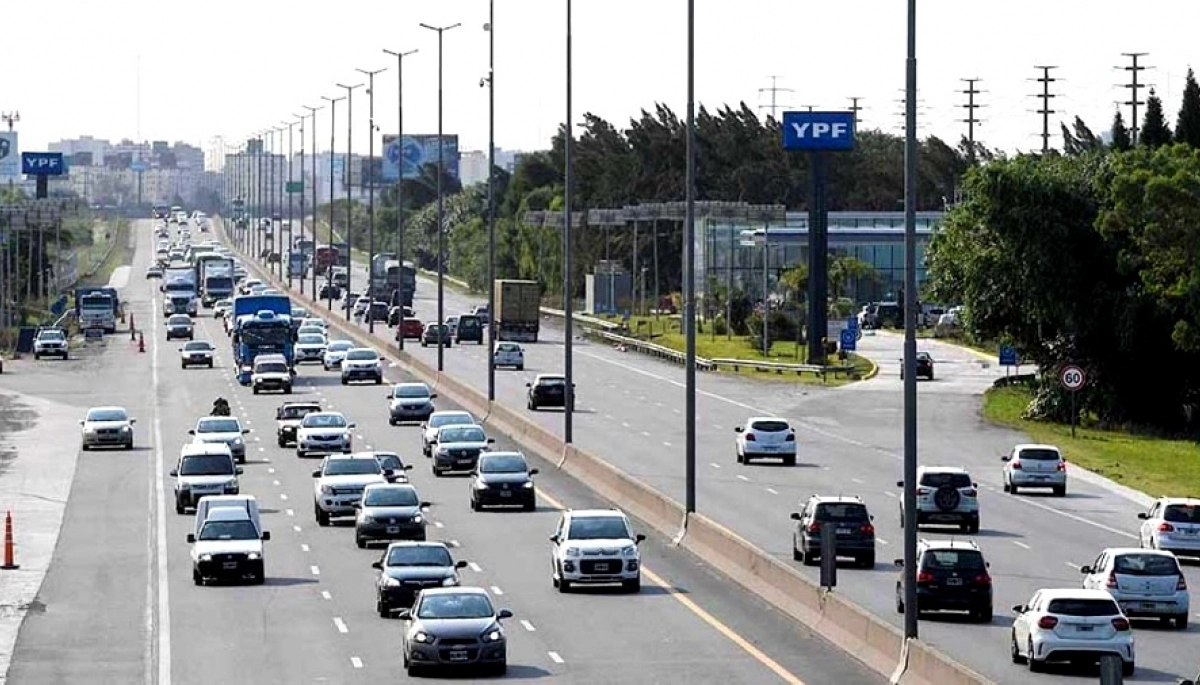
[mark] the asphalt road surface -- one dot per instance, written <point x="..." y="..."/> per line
<point x="126" y="611"/>
<point x="851" y="442"/>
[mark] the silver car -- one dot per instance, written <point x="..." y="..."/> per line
<point x="389" y="511"/>
<point x="410" y="402"/>
<point x="107" y="427"/>
<point x="1035" y="466"/>
<point x="335" y="352"/>
<point x="224" y="429"/>
<point x="1145" y="583"/>
<point x="454" y="627"/>
<point x="437" y="419"/>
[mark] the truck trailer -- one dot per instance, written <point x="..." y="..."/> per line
<point x="518" y="310"/>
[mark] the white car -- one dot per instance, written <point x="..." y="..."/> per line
<point x="765" y="437"/>
<point x="107" y="426"/>
<point x="228" y="546"/>
<point x="250" y="284"/>
<point x="1070" y="625"/>
<point x="223" y="429"/>
<point x="221" y="306"/>
<point x="1145" y="583"/>
<point x="50" y="342"/>
<point x="205" y="469"/>
<point x="340" y="483"/>
<point x="310" y="347"/>
<point x="1035" y="466"/>
<point x="1172" y="524"/>
<point x="335" y="352"/>
<point x="509" y="354"/>
<point x="437" y="419"/>
<point x="324" y="432"/>
<point x="315" y="322"/>
<point x="196" y="353"/>
<point x="361" y="304"/>
<point x="594" y="546"/>
<point x="362" y="364"/>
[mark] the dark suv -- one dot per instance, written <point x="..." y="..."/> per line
<point x="469" y="328"/>
<point x="924" y="366"/>
<point x="952" y="575"/>
<point x="855" y="533"/>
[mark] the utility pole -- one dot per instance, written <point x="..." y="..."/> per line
<point x="1134" y="68"/>
<point x="774" y="90"/>
<point x="971" y="121"/>
<point x="10" y="118"/>
<point x="371" y="196"/>
<point x="400" y="174"/>
<point x="855" y="108"/>
<point x="1045" y="111"/>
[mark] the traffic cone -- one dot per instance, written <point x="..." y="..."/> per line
<point x="131" y="325"/>
<point x="141" y="342"/>
<point x="132" y="333"/>
<point x="9" y="561"/>
<point x="123" y="317"/>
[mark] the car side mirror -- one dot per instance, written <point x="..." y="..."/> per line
<point x="1018" y="608"/>
<point x="239" y="470"/>
<point x="1005" y="457"/>
<point x="795" y="516"/>
<point x="426" y="505"/>
<point x="174" y="473"/>
<point x="529" y="385"/>
<point x="504" y="613"/>
<point x="191" y="431"/>
<point x="424" y="426"/>
<point x="356" y="505"/>
<point x="191" y="538"/>
<point x="266" y="536"/>
<point x="316" y="473"/>
<point x="351" y="425"/>
<point x="491" y="441"/>
<point x="898" y="563"/>
<point x="554" y="538"/>
<point x="1085" y="570"/>
<point x="738" y="429"/>
<point x="405" y="615"/>
<point x="639" y="538"/>
<point x="899" y="483"/>
<point x="533" y="472"/>
<point x="81" y="422"/>
<point x="245" y="431"/>
<point x="407" y="467"/>
<point x="377" y="564"/>
<point x="1144" y="516"/>
<point x="975" y="485"/>
<point x="460" y="564"/>
<point x="432" y="395"/>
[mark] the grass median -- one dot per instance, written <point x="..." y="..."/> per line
<point x="99" y="262"/>
<point x="1154" y="465"/>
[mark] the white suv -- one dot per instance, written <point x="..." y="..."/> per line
<point x="340" y="483"/>
<point x="1035" y="466"/>
<point x="1173" y="525"/>
<point x="50" y="342"/>
<point x="595" y="546"/>
<point x="946" y="495"/>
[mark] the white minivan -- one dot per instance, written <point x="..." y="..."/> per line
<point x="246" y="503"/>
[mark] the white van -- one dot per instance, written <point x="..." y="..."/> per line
<point x="246" y="503"/>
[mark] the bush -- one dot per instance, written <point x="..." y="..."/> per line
<point x="780" y="327"/>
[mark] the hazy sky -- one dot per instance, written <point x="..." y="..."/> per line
<point x="225" y="68"/>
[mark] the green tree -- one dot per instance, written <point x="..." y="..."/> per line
<point x="1155" y="132"/>
<point x="845" y="272"/>
<point x="1079" y="140"/>
<point x="1187" y="126"/>
<point x="1121" y="139"/>
<point x="794" y="281"/>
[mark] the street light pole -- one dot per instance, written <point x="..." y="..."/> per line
<point x="290" y="241"/>
<point x="371" y="195"/>
<point x="910" y="329"/>
<point x="441" y="229"/>
<point x="271" y="197"/>
<point x="277" y="227"/>
<point x="332" y="141"/>
<point x="400" y="178"/>
<point x="303" y="265"/>
<point x="568" y="215"/>
<point x="689" y="278"/>
<point x="491" y="198"/>
<point x="313" y="230"/>
<point x="349" y="201"/>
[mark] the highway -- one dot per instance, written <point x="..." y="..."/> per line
<point x="313" y="620"/>
<point x="629" y="412"/>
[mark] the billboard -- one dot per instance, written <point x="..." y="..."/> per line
<point x="415" y="152"/>
<point x="10" y="157"/>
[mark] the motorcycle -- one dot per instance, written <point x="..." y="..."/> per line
<point x="220" y="407"/>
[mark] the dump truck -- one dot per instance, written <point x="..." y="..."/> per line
<point x="518" y="310"/>
<point x="97" y="308"/>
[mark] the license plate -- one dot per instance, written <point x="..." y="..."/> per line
<point x="465" y="461"/>
<point x="601" y="567"/>
<point x="1191" y="531"/>
<point x="506" y="493"/>
<point x="770" y="448"/>
<point x="1085" y="629"/>
<point x="954" y="581"/>
<point x="844" y="531"/>
<point x="392" y="530"/>
<point x="458" y="655"/>
<point x="229" y="565"/>
<point x="1040" y="477"/>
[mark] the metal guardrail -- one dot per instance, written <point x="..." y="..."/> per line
<point x="583" y="319"/>
<point x="655" y="350"/>
<point x="784" y="367"/>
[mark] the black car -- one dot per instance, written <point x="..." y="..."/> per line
<point x="952" y="575"/>
<point x="548" y="390"/>
<point x="376" y="311"/>
<point x="408" y="567"/>
<point x="393" y="467"/>
<point x="924" y="366"/>
<point x="329" y="291"/>
<point x="503" y="478"/>
<point x="396" y="313"/>
<point x="469" y="329"/>
<point x="855" y="535"/>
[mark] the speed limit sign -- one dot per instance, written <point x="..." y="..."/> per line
<point x="1073" y="378"/>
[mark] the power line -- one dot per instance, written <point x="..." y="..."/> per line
<point x="1134" y="68"/>
<point x="774" y="90"/>
<point x="903" y="115"/>
<point x="971" y="121"/>
<point x="1045" y="111"/>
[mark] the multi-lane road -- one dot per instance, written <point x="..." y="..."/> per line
<point x="120" y="607"/>
<point x="851" y="443"/>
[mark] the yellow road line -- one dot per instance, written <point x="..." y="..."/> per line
<point x="729" y="633"/>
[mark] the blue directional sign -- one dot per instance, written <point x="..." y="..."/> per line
<point x="59" y="306"/>
<point x="1008" y="355"/>
<point x="852" y="323"/>
<point x="814" y="131"/>
<point x="849" y="340"/>
<point x="43" y="163"/>
<point x="138" y="166"/>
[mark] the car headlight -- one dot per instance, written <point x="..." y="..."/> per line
<point x="205" y="557"/>
<point x="418" y="519"/>
<point x="443" y="450"/>
<point x="231" y="483"/>
<point x="326" y="490"/>
<point x="389" y="581"/>
<point x="629" y="552"/>
<point x="480" y="485"/>
<point x="89" y="431"/>
<point x="452" y="581"/>
<point x="528" y="484"/>
<point x="422" y="637"/>
<point x="494" y="635"/>
<point x="237" y="441"/>
<point x="254" y="556"/>
<point x="571" y="552"/>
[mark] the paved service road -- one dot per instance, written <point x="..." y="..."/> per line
<point x="851" y="442"/>
<point x="314" y="619"/>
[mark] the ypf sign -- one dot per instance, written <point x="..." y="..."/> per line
<point x="812" y="131"/>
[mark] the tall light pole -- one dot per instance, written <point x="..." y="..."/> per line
<point x="400" y="171"/>
<point x="277" y="213"/>
<point x="313" y="230"/>
<point x="290" y="240"/>
<point x="332" y="140"/>
<point x="490" y="27"/>
<point x="258" y="239"/>
<point x="270" y="195"/>
<point x="441" y="229"/>
<point x="910" y="328"/>
<point x="689" y="276"/>
<point x="568" y="215"/>
<point x="349" y="202"/>
<point x="371" y="193"/>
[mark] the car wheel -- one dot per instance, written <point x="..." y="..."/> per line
<point x="475" y="504"/>
<point x="182" y="365"/>
<point x="383" y="609"/>
<point x="345" y="382"/>
<point x="1012" y="488"/>
<point x="520" y="367"/>
<point x="322" y="518"/>
<point x="358" y="540"/>
<point x="256" y="390"/>
<point x="867" y="560"/>
<point x="790" y="460"/>
<point x="85" y="447"/>
<point x="129" y="445"/>
<point x="1181" y="622"/>
<point x="437" y="473"/>
<point x="740" y="459"/>
<point x="300" y="454"/>
<point x="197" y="579"/>
<point x="1127" y="669"/>
<point x="797" y="555"/>
<point x="179" y="507"/>
<point x="983" y="614"/>
<point x="531" y="505"/>
<point x="392" y="422"/>
<point x="287" y="390"/>
<point x="210" y="365"/>
<point x="631" y="586"/>
<point x="1060" y="491"/>
<point x="379" y="380"/>
<point x="501" y="668"/>
<point x="1035" y="666"/>
<point x="1014" y="651"/>
<point x="810" y="559"/>
<point x="563" y="585"/>
<point x="281" y="441"/>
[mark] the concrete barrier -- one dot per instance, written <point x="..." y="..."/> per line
<point x="874" y="641"/>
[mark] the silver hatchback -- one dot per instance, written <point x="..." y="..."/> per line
<point x="1145" y="583"/>
<point x="1035" y="466"/>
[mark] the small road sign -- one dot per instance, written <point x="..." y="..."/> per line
<point x="295" y="186"/>
<point x="1072" y="377"/>
<point x="849" y="339"/>
<point x="1008" y="355"/>
<point x="852" y="323"/>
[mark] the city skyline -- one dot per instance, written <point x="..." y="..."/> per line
<point x="229" y="92"/>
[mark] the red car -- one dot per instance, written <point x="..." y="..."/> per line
<point x="410" y="328"/>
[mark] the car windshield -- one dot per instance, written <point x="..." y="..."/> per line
<point x="50" y="335"/>
<point x="953" y="559"/>
<point x="463" y="605"/>
<point x="272" y="367"/>
<point x="229" y="530"/>
<point x="312" y="339"/>
<point x="598" y="528"/>
<point x="468" y="322"/>
<point x="351" y="467"/>
<point x="503" y="463"/>
<point x="339" y="346"/>
<point x="1040" y="455"/>
<point x="842" y="511"/>
<point x="179" y="320"/>
<point x="107" y="415"/>
<point x="770" y="426"/>
<point x="924" y="357"/>
<point x="275" y="336"/>
<point x="361" y="355"/>
<point x="198" y="346"/>
<point x="435" y="328"/>
<point x="508" y="347"/>
<point x="297" y="412"/>
<point x="218" y="426"/>
<point x="390" y="462"/>
<point x="1182" y="513"/>
<point x="954" y="480"/>
<point x="411" y="391"/>
<point x="462" y="434"/>
<point x="206" y="465"/>
<point x="439" y="420"/>
<point x="324" y="421"/>
<point x="1083" y="607"/>
<point x="552" y="382"/>
<point x="423" y="555"/>
<point x="391" y="497"/>
<point x="1145" y="565"/>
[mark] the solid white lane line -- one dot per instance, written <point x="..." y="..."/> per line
<point x="1020" y="544"/>
<point x="326" y="596"/>
<point x="303" y="548"/>
<point x="555" y="657"/>
<point x="316" y="571"/>
<point x="773" y="491"/>
<point x="496" y="591"/>
<point x="162" y="576"/>
<point x="743" y="478"/>
<point x="356" y="662"/>
<point x="474" y="567"/>
<point x="528" y="626"/>
<point x="340" y="625"/>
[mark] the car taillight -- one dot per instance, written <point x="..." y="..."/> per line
<point x="1016" y="465"/>
<point x="814" y="528"/>
<point x="924" y="577"/>
<point x="921" y="492"/>
<point x="983" y="579"/>
<point x="749" y="437"/>
<point x="1181" y="584"/>
<point x="970" y="493"/>
<point x="866" y="529"/>
<point x="1062" y="466"/>
<point x="790" y="438"/>
<point x="1111" y="584"/>
<point x="1047" y="622"/>
<point x="1166" y="528"/>
<point x="1120" y="624"/>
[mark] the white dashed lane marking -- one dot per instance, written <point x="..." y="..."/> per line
<point x="889" y="493"/>
<point x="715" y="465"/>
<point x="340" y="625"/>
<point x="474" y="567"/>
<point x="303" y="548"/>
<point x="316" y="571"/>
<point x="528" y="626"/>
<point x="291" y="512"/>
<point x="356" y="662"/>
<point x="555" y="657"/>
<point x="497" y="591"/>
<point x="453" y="543"/>
<point x="773" y="491"/>
<point x="1020" y="544"/>
<point x="743" y="478"/>
<point x="1077" y="566"/>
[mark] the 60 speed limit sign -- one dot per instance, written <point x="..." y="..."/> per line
<point x="1072" y="377"/>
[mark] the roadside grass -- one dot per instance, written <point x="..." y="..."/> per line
<point x="1154" y="465"/>
<point x="101" y="267"/>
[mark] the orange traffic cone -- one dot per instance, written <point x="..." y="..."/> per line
<point x="141" y="342"/>
<point x="131" y="325"/>
<point x="9" y="561"/>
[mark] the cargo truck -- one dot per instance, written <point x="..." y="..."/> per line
<point x="518" y="310"/>
<point x="180" y="295"/>
<point x="97" y="308"/>
<point x="262" y="324"/>
<point x="215" y="278"/>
